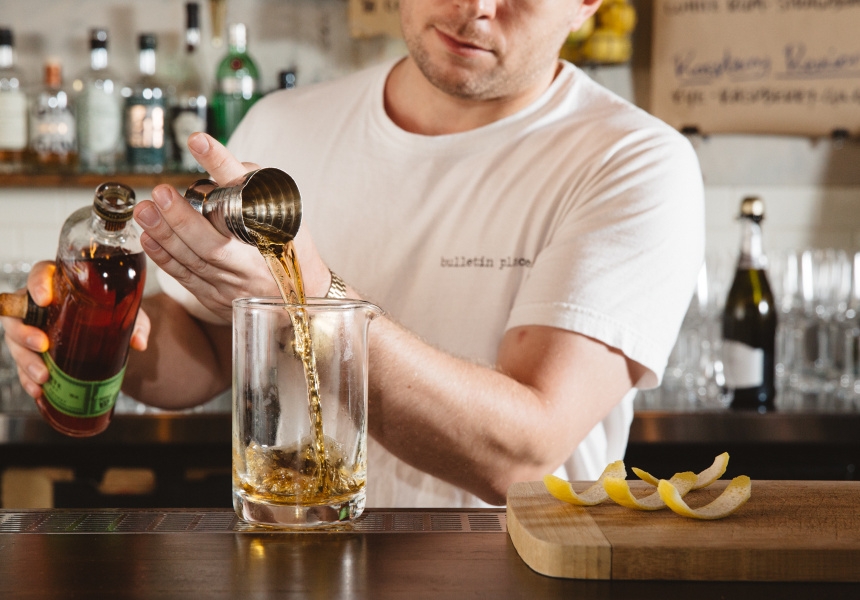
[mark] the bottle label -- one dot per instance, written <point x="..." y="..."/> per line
<point x="144" y="124"/>
<point x="743" y="365"/>
<point x="80" y="398"/>
<point x="185" y="123"/>
<point x="101" y="122"/>
<point x="52" y="131"/>
<point x="13" y="120"/>
<point x="244" y="86"/>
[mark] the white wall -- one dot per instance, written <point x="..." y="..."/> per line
<point x="811" y="187"/>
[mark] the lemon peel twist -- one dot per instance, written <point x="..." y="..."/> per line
<point x="619" y="490"/>
<point x="595" y="494"/>
<point x="732" y="498"/>
<point x="613" y="484"/>
<point x="703" y="479"/>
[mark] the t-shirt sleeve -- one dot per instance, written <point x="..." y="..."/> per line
<point x="621" y="263"/>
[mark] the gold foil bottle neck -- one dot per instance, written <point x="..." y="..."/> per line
<point x="752" y="207"/>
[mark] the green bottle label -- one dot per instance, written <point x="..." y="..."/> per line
<point x="80" y="398"/>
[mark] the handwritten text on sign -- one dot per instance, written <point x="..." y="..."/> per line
<point x="757" y="66"/>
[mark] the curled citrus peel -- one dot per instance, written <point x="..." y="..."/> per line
<point x="619" y="490"/>
<point x="703" y="479"/>
<point x="595" y="494"/>
<point x="733" y="497"/>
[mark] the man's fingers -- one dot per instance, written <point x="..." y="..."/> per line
<point x="175" y="231"/>
<point x="140" y="333"/>
<point x="39" y="282"/>
<point x="222" y="166"/>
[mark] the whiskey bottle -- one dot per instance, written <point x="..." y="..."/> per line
<point x="13" y="107"/>
<point x="52" y="127"/>
<point x="238" y="83"/>
<point x="97" y="290"/>
<point x="749" y="321"/>
<point x="145" y="114"/>
<point x="99" y="110"/>
<point x="189" y="112"/>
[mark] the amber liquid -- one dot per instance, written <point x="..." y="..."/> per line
<point x="90" y="325"/>
<point x="314" y="471"/>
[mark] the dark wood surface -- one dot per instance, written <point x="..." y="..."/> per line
<point x="320" y="565"/>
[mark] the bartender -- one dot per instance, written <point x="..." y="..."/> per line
<point x="533" y="239"/>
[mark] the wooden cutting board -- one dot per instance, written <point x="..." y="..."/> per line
<point x="787" y="531"/>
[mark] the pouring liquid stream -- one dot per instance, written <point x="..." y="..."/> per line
<point x="310" y="472"/>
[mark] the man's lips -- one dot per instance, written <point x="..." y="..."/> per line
<point x="460" y="46"/>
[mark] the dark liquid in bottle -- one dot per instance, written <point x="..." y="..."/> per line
<point x="90" y="327"/>
<point x="750" y="318"/>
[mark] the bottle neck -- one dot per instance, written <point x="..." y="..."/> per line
<point x="752" y="249"/>
<point x="146" y="62"/>
<point x="7" y="57"/>
<point x="98" y="59"/>
<point x="237" y="40"/>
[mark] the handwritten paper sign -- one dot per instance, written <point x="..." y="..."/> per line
<point x="368" y="18"/>
<point x="757" y="66"/>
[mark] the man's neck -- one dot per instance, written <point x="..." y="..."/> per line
<point x="417" y="106"/>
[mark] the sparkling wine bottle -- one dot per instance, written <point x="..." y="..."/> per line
<point x="749" y="321"/>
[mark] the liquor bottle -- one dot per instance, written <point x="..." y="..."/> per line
<point x="190" y="110"/>
<point x="13" y="107"/>
<point x="98" y="286"/>
<point x="52" y="128"/>
<point x="238" y="83"/>
<point x="145" y="113"/>
<point x="749" y="321"/>
<point x="99" y="110"/>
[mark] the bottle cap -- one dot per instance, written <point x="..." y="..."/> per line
<point x="53" y="73"/>
<point x="98" y="38"/>
<point x="192" y="15"/>
<point x="147" y="41"/>
<point x="114" y="202"/>
<point x="6" y="37"/>
<point x="238" y="36"/>
<point x="752" y="207"/>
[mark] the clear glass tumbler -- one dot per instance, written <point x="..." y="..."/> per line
<point x="300" y="411"/>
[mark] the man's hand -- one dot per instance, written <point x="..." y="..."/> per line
<point x="26" y="342"/>
<point x="215" y="268"/>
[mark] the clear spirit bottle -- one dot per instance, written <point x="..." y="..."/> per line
<point x="190" y="109"/>
<point x="52" y="127"/>
<point x="99" y="110"/>
<point x="145" y="114"/>
<point x="13" y="107"/>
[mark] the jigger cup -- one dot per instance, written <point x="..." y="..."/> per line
<point x="295" y="466"/>
<point x="265" y="201"/>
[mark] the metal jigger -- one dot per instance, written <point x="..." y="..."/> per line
<point x="261" y="204"/>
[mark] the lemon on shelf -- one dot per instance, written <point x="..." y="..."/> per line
<point x="605" y="38"/>
<point x="617" y="15"/>
<point x="607" y="46"/>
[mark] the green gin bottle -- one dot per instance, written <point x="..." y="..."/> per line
<point x="238" y="85"/>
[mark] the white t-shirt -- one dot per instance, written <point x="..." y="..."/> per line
<point x="581" y="212"/>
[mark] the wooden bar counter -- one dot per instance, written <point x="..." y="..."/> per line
<point x="389" y="554"/>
